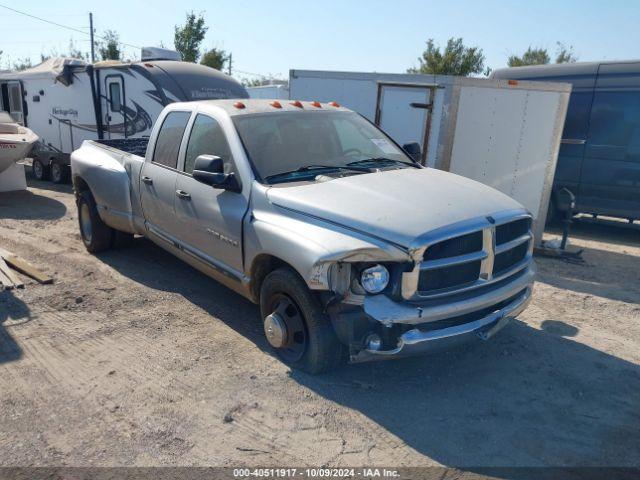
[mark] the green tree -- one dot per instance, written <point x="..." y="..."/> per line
<point x="565" y="54"/>
<point x="109" y="49"/>
<point x="456" y="59"/>
<point x="188" y="37"/>
<point x="215" y="58"/>
<point x="533" y="56"/>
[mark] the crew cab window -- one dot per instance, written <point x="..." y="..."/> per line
<point x="207" y="138"/>
<point x="169" y="139"/>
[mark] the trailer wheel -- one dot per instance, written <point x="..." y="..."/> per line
<point x="39" y="170"/>
<point x="96" y="235"/>
<point x="295" y="325"/>
<point x="59" y="173"/>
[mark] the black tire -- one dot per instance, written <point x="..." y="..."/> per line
<point x="39" y="170"/>
<point x="96" y="235"/>
<point x="59" y="173"/>
<point x="322" y="351"/>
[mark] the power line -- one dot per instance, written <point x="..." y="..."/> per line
<point x="73" y="29"/>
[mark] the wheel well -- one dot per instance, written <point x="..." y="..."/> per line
<point x="262" y="266"/>
<point x="79" y="185"/>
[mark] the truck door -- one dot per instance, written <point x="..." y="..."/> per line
<point x="403" y="112"/>
<point x="115" y="120"/>
<point x="210" y="218"/>
<point x="610" y="182"/>
<point x="158" y="176"/>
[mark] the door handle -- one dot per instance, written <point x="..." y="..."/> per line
<point x="147" y="180"/>
<point x="182" y="194"/>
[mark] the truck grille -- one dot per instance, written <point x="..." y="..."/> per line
<point x="476" y="258"/>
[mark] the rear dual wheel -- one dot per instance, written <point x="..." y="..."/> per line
<point x="96" y="235"/>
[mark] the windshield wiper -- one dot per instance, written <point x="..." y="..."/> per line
<point x="382" y="160"/>
<point x="313" y="167"/>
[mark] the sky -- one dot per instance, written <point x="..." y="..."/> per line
<point x="270" y="37"/>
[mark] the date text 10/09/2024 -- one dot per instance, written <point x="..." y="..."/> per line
<point x="315" y="473"/>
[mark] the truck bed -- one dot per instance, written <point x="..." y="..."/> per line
<point x="134" y="146"/>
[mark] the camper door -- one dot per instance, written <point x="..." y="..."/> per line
<point x="12" y="100"/>
<point x="115" y="120"/>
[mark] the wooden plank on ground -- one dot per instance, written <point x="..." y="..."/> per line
<point x="5" y="282"/>
<point x="10" y="274"/>
<point x="25" y="267"/>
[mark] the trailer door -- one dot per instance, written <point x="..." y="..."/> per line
<point x="115" y="119"/>
<point x="403" y="111"/>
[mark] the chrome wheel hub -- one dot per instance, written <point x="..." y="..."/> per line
<point x="276" y="330"/>
<point x="85" y="222"/>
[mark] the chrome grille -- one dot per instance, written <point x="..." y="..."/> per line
<point x="491" y="252"/>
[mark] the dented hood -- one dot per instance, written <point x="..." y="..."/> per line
<point x="395" y="205"/>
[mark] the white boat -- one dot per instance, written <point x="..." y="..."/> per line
<point x="16" y="141"/>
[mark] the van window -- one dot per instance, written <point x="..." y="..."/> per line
<point x="615" y="123"/>
<point x="577" y="121"/>
<point x="169" y="139"/>
<point x="207" y="138"/>
<point x="115" y="97"/>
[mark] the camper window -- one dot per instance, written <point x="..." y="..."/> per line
<point x="114" y="97"/>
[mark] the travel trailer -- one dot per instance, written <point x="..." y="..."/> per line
<point x="66" y="101"/>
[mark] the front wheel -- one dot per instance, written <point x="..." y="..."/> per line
<point x="96" y="235"/>
<point x="295" y="325"/>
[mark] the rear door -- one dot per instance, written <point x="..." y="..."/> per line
<point x="210" y="218"/>
<point x="610" y="182"/>
<point x="115" y="120"/>
<point x="403" y="112"/>
<point x="159" y="174"/>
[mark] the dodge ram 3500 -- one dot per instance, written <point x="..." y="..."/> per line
<point x="351" y="248"/>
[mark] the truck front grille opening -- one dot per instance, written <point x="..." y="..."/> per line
<point x="453" y="247"/>
<point x="448" y="277"/>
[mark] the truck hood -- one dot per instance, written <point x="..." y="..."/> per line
<point x="394" y="205"/>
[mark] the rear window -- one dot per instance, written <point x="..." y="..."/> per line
<point x="169" y="139"/>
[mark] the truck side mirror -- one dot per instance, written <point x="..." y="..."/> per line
<point x="414" y="151"/>
<point x="209" y="169"/>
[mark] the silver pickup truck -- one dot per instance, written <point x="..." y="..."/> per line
<point x="351" y="248"/>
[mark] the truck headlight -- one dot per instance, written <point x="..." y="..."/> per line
<point x="374" y="279"/>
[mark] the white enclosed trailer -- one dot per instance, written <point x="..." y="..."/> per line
<point x="269" y="91"/>
<point x="505" y="134"/>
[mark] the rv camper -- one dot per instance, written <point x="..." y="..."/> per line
<point x="66" y="101"/>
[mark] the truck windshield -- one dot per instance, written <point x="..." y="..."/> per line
<point x="289" y="146"/>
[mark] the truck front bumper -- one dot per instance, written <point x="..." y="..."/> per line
<point x="512" y="298"/>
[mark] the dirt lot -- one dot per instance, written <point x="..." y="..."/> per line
<point x="134" y="358"/>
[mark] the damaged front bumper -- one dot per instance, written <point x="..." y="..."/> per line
<point x="427" y="334"/>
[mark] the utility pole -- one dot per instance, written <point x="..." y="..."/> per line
<point x="230" y="63"/>
<point x="93" y="48"/>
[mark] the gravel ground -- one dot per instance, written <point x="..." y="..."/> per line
<point x="134" y="358"/>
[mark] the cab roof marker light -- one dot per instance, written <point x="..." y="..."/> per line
<point x="316" y="104"/>
<point x="239" y="105"/>
<point x="276" y="104"/>
<point x="334" y="104"/>
<point x="297" y="103"/>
